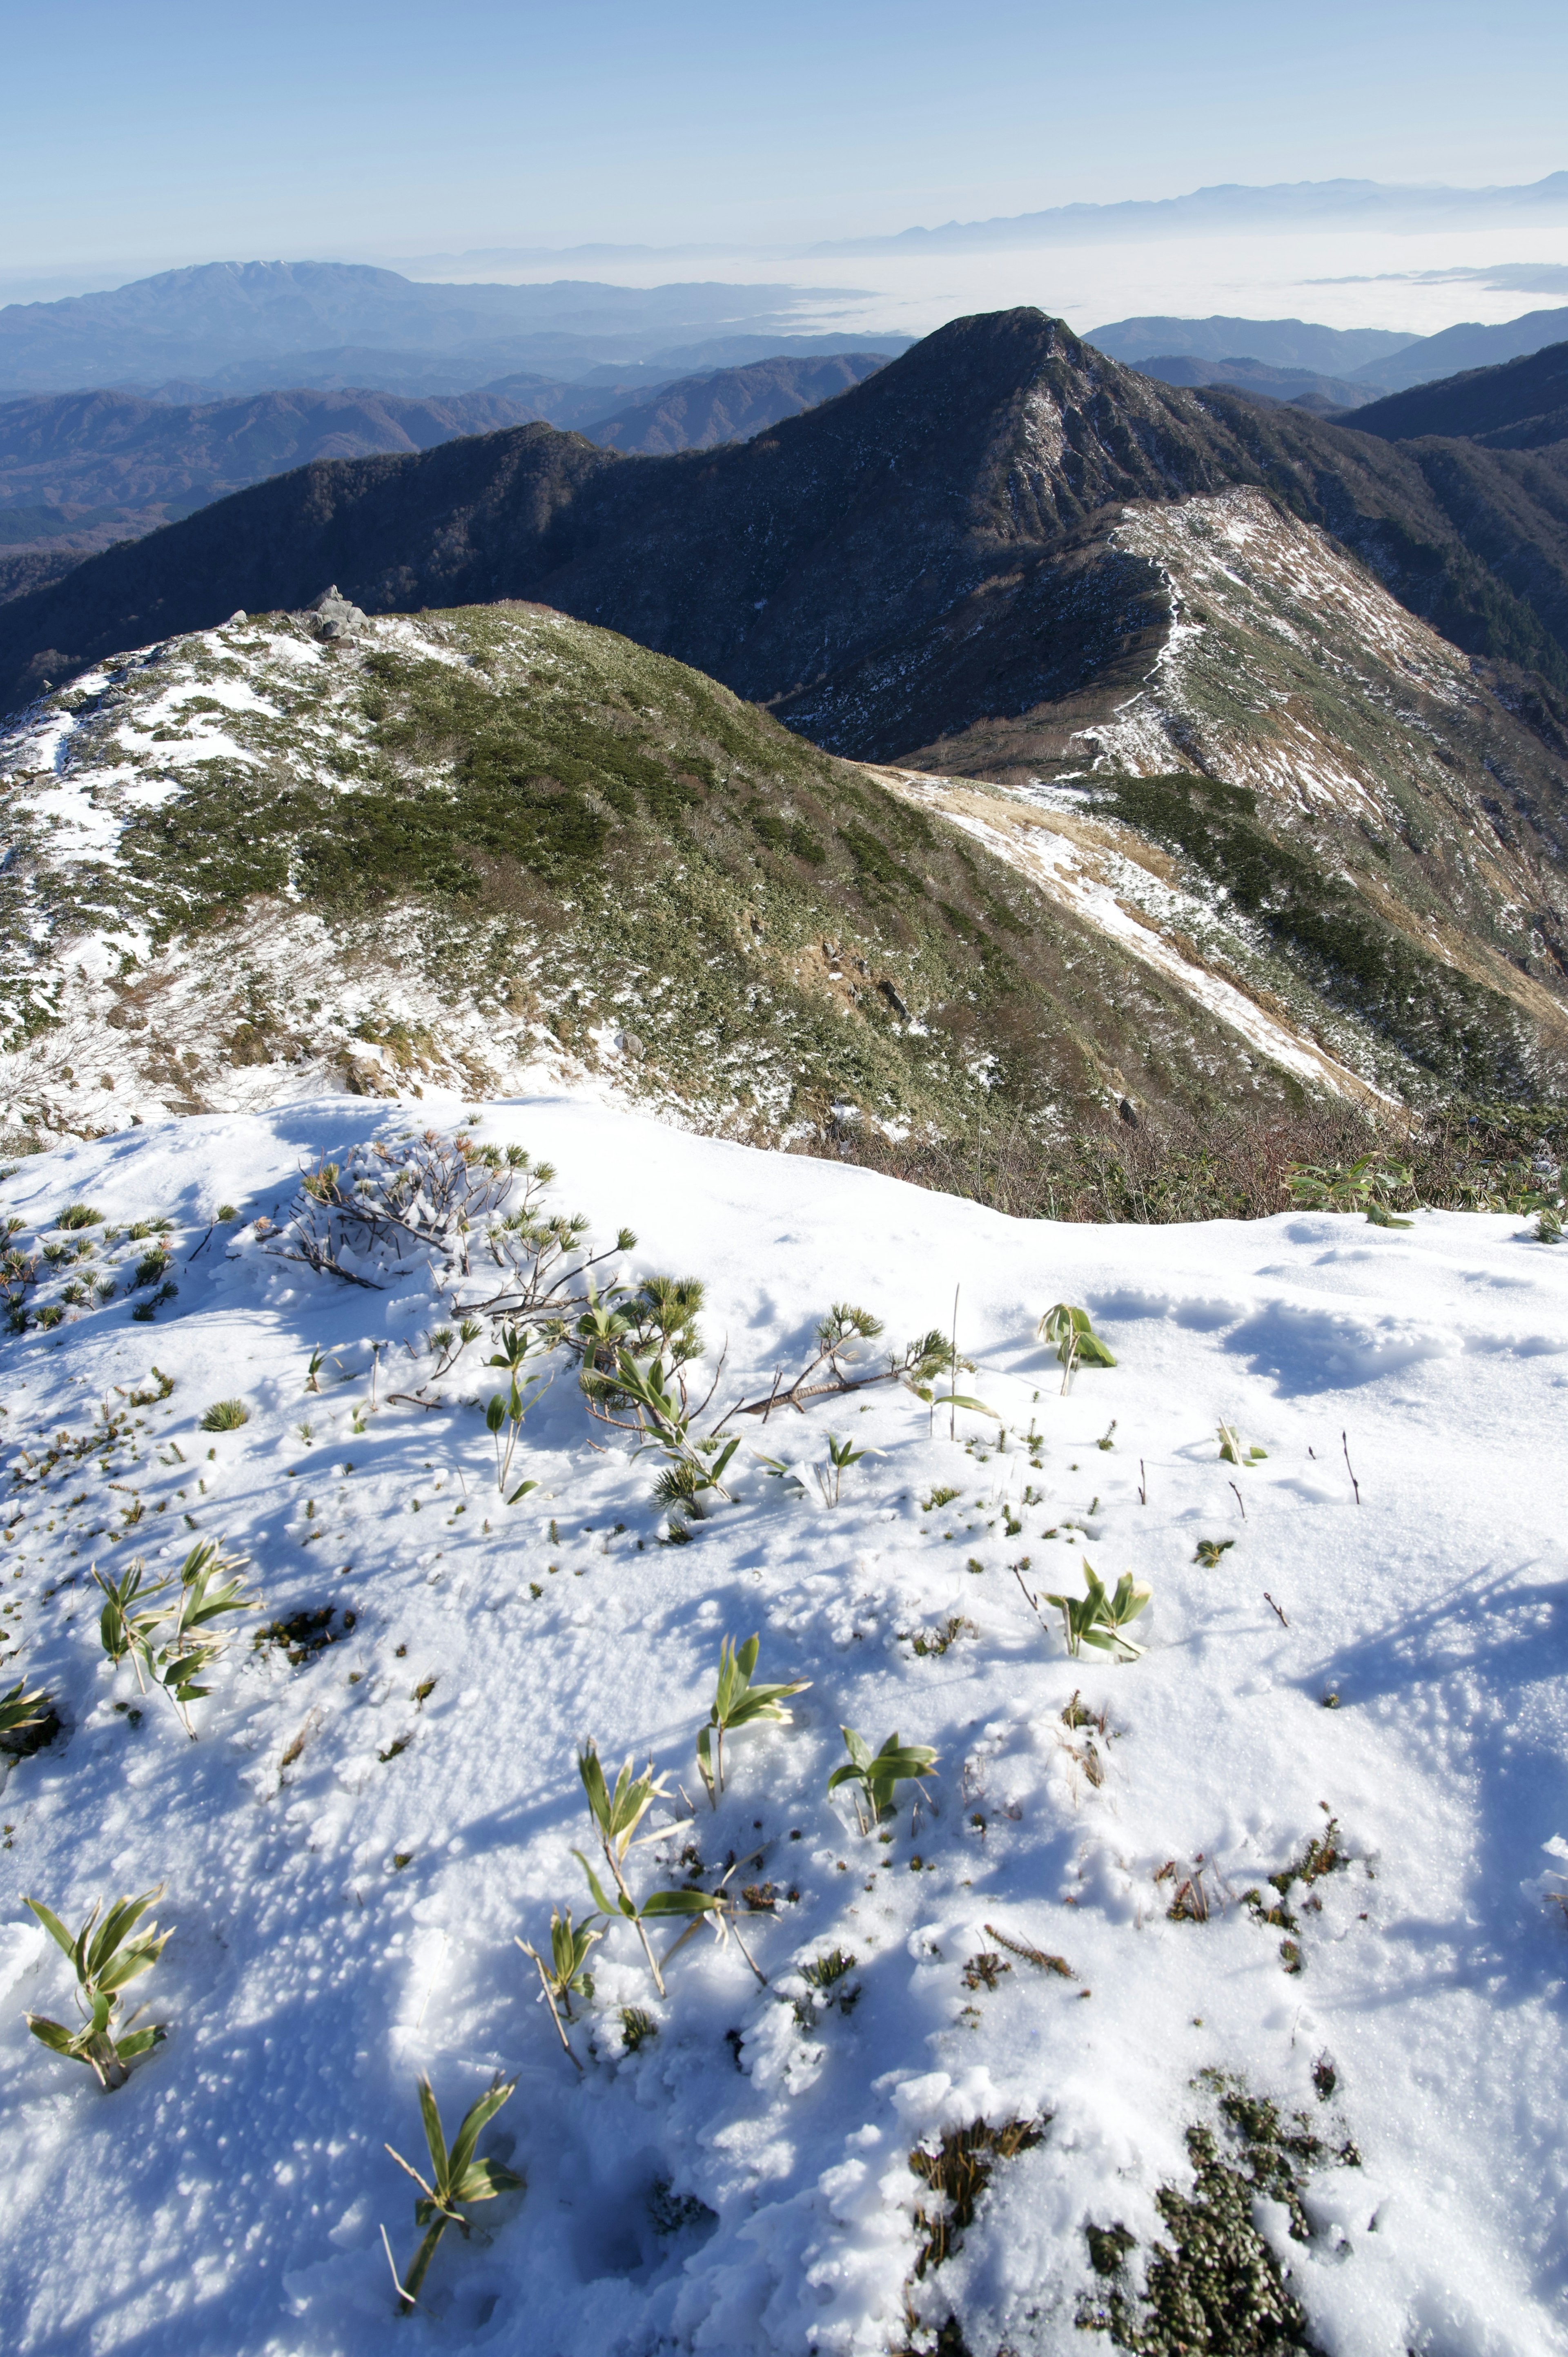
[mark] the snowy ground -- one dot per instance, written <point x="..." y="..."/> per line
<point x="740" y="2183"/>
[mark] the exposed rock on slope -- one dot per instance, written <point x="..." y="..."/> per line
<point x="923" y="552"/>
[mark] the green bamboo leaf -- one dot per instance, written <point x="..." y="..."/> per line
<point x="617" y="1906"/>
<point x="475" y="2119"/>
<point x="682" y="1903"/>
<point x="141" y="2042"/>
<point x="52" y="1925"/>
<point x="434" y="2135"/>
<point x="486" y="2178"/>
<point x="52" y="2034"/>
<point x="593" y="1777"/>
<point x="126" y="1967"/>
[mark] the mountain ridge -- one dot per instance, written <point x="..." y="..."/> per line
<point x="923" y="552"/>
<point x="261" y="861"/>
<point x="1519" y="404"/>
<point x="82" y="470"/>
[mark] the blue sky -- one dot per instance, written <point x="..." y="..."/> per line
<point x="168" y="131"/>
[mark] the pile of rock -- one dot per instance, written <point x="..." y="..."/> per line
<point x="333" y="617"/>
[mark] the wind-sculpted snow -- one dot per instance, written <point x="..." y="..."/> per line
<point x="360" y="1828"/>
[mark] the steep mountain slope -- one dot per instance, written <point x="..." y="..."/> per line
<point x="731" y="404"/>
<point x="80" y="472"/>
<point x="926" y="551"/>
<point x="260" y="861"/>
<point x="1521" y="405"/>
<point x="31" y="568"/>
<point x="1356" y="793"/>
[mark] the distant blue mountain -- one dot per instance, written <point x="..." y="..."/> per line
<point x="245" y="326"/>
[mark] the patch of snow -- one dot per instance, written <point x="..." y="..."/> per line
<point x="347" y="1850"/>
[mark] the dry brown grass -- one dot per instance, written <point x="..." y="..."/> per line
<point x="1231" y="1164"/>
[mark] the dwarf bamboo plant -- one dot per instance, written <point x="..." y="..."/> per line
<point x="880" y="1774"/>
<point x="1098" y="1618"/>
<point x="126" y="1622"/>
<point x="1357" y="1185"/>
<point x="1232" y="1451"/>
<point x="649" y="1398"/>
<point x="456" y="2177"/>
<point x="737" y="1704"/>
<point x="1076" y="1343"/>
<point x="21" y="1711"/>
<point x="617" y="1815"/>
<point x="842" y="1454"/>
<point x="507" y="1410"/>
<point x="564" y="1977"/>
<point x="104" y="1957"/>
<point x="209" y="1588"/>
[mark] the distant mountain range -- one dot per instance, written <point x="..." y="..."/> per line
<point x="1233" y="209"/>
<point x="1327" y="395"/>
<point x="79" y="471"/>
<point x="730" y="405"/>
<point x="276" y="323"/>
<point x="1375" y="358"/>
<point x="1282" y="343"/>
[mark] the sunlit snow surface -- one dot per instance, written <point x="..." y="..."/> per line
<point x="228" y="2199"/>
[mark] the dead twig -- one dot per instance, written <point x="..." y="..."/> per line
<point x="1032" y="1955"/>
